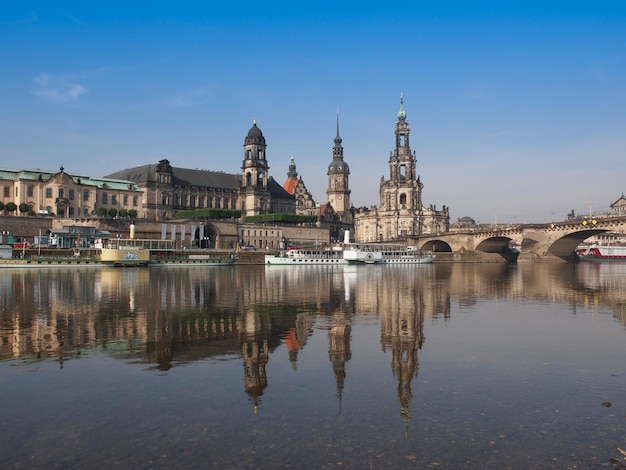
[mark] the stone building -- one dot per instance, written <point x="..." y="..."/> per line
<point x="401" y="213"/>
<point x="619" y="207"/>
<point x="68" y="195"/>
<point x="305" y="204"/>
<point x="338" y="191"/>
<point x="168" y="189"/>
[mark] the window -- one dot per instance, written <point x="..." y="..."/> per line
<point x="61" y="193"/>
<point x="105" y="198"/>
<point x="71" y="194"/>
<point x="114" y="199"/>
<point x="86" y="195"/>
<point x="125" y="200"/>
<point x="30" y="191"/>
<point x="49" y="193"/>
<point x="134" y="201"/>
<point x="7" y="191"/>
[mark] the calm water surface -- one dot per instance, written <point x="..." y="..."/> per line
<point x="441" y="366"/>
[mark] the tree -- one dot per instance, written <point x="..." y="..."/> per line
<point x="132" y="214"/>
<point x="101" y="211"/>
<point x="24" y="207"/>
<point x="112" y="212"/>
<point x="1" y="206"/>
<point x="123" y="213"/>
<point x="10" y="207"/>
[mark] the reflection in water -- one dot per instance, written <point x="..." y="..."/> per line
<point x="164" y="318"/>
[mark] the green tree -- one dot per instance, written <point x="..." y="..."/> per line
<point x="10" y="207"/>
<point x="132" y="214"/>
<point x="1" y="206"/>
<point x="24" y="207"/>
<point x="112" y="212"/>
<point x="123" y="213"/>
<point x="101" y="211"/>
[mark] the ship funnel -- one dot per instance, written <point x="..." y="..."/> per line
<point x="346" y="237"/>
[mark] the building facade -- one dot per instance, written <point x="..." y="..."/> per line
<point x="305" y="203"/>
<point x="168" y="189"/>
<point x="401" y="213"/>
<point x="69" y="195"/>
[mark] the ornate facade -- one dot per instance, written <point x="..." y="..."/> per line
<point x="168" y="189"/>
<point x="401" y="213"/>
<point x="338" y="191"/>
<point x="305" y="204"/>
<point x="68" y="195"/>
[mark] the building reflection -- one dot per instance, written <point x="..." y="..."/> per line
<point x="165" y="317"/>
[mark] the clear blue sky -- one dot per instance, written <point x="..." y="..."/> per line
<point x="517" y="109"/>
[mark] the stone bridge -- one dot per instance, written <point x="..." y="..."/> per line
<point x="537" y="241"/>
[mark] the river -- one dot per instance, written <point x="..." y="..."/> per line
<point x="249" y="367"/>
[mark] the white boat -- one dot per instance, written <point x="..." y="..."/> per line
<point x="610" y="246"/>
<point x="304" y="256"/>
<point x="602" y="253"/>
<point x="375" y="253"/>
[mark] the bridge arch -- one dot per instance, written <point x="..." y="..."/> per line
<point x="565" y="246"/>
<point x="439" y="246"/>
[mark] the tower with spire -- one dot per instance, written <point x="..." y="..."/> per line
<point x="338" y="191"/>
<point x="401" y="213"/>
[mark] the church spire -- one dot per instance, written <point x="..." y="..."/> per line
<point x="337" y="149"/>
<point x="338" y="139"/>
<point x="401" y="113"/>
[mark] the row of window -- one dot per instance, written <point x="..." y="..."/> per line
<point x="184" y="200"/>
<point x="30" y="192"/>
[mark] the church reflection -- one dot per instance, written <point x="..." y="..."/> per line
<point x="165" y="317"/>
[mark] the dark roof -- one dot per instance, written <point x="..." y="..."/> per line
<point x="276" y="190"/>
<point x="181" y="177"/>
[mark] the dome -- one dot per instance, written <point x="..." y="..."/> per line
<point x="255" y="136"/>
<point x="338" y="167"/>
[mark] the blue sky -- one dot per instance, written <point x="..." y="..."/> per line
<point x="517" y="109"/>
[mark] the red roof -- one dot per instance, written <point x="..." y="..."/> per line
<point x="290" y="185"/>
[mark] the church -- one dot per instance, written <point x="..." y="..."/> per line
<point x="401" y="213"/>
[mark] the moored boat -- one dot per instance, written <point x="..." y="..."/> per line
<point x="304" y="256"/>
<point x="609" y="246"/>
<point x="602" y="253"/>
<point x="125" y="256"/>
<point x="375" y="253"/>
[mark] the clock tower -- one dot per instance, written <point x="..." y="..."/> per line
<point x="338" y="191"/>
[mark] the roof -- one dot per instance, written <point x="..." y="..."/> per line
<point x="290" y="185"/>
<point x="45" y="175"/>
<point x="276" y="190"/>
<point x="181" y="177"/>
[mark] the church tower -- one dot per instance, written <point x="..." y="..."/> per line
<point x="255" y="192"/>
<point x="401" y="214"/>
<point x="403" y="192"/>
<point x="338" y="178"/>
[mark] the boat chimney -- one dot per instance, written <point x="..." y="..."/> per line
<point x="132" y="231"/>
<point x="346" y="237"/>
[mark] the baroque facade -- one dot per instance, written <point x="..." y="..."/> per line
<point x="167" y="189"/>
<point x="401" y="213"/>
<point x="68" y="195"/>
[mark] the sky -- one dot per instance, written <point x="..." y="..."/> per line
<point x="517" y="108"/>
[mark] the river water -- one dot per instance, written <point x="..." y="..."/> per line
<point x="442" y="366"/>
